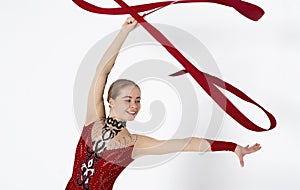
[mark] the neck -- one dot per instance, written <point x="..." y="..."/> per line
<point x="111" y="120"/>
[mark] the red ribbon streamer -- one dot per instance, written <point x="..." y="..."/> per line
<point x="208" y="82"/>
<point x="249" y="10"/>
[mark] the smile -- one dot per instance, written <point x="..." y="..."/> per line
<point x="131" y="112"/>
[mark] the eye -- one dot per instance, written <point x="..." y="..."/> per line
<point x="127" y="100"/>
<point x="138" y="101"/>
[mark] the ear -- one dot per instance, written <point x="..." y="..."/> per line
<point x="111" y="102"/>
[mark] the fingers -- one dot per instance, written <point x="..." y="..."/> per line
<point x="129" y="24"/>
<point x="256" y="146"/>
<point x="253" y="148"/>
<point x="130" y="20"/>
<point x="242" y="162"/>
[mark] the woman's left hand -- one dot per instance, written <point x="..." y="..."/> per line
<point x="242" y="151"/>
<point x="129" y="24"/>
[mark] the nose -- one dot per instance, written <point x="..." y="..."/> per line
<point x="133" y="105"/>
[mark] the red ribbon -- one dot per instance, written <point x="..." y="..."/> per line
<point x="208" y="82"/>
<point x="249" y="10"/>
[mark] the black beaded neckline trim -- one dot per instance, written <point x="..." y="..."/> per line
<point x="115" y="123"/>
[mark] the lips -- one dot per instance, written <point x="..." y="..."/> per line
<point x="131" y="112"/>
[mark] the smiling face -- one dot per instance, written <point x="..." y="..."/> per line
<point x="126" y="105"/>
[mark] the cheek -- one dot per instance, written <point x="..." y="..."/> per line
<point x="123" y="105"/>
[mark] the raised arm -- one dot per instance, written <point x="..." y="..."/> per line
<point x="95" y="106"/>
<point x="150" y="146"/>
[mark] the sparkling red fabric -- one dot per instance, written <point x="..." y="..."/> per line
<point x="106" y="170"/>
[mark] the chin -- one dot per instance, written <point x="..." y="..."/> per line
<point x="131" y="117"/>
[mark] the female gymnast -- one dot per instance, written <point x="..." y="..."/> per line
<point x="106" y="147"/>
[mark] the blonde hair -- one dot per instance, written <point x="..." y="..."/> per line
<point x="115" y="87"/>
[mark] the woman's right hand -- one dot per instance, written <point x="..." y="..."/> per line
<point x="129" y="24"/>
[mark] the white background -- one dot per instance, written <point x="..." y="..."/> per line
<point x="43" y="43"/>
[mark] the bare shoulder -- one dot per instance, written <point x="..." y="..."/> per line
<point x="122" y="140"/>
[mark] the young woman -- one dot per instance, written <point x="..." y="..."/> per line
<point x="106" y="147"/>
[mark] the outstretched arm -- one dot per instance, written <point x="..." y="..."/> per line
<point x="95" y="107"/>
<point x="150" y="146"/>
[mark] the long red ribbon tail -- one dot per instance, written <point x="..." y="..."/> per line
<point x="249" y="10"/>
<point x="204" y="80"/>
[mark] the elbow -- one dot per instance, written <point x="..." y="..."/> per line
<point x="190" y="144"/>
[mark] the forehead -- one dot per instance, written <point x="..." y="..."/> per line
<point x="132" y="91"/>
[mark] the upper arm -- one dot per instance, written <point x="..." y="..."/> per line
<point x="95" y="106"/>
<point x="149" y="146"/>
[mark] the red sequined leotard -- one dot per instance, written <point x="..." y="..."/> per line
<point x="97" y="173"/>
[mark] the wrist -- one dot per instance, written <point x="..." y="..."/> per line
<point x="222" y="145"/>
<point x="237" y="148"/>
<point x="124" y="31"/>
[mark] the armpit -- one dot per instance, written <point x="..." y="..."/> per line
<point x="97" y="129"/>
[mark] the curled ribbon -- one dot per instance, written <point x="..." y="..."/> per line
<point x="208" y="82"/>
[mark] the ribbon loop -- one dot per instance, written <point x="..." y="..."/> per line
<point x="208" y="82"/>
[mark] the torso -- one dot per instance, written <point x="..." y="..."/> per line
<point x="99" y="171"/>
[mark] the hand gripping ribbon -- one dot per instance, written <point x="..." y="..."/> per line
<point x="208" y="82"/>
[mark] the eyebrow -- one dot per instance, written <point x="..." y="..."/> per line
<point x="131" y="97"/>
